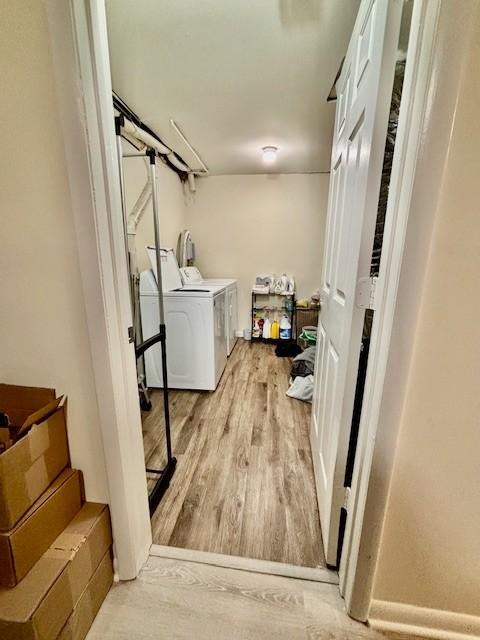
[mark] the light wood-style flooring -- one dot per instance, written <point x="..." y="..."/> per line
<point x="187" y="600"/>
<point x="244" y="481"/>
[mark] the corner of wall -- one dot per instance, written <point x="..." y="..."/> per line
<point x="401" y="618"/>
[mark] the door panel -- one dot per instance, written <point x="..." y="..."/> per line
<point x="364" y="93"/>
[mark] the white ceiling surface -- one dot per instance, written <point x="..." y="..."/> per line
<point x="236" y="75"/>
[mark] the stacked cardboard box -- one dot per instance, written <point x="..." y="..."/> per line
<point x="55" y="548"/>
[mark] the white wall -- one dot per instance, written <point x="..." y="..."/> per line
<point x="171" y="200"/>
<point x="244" y="225"/>
<point x="43" y="338"/>
<point x="429" y="562"/>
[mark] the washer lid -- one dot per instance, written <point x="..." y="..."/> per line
<point x="171" y="278"/>
<point x="148" y="287"/>
<point x="148" y="284"/>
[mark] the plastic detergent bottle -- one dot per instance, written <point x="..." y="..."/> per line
<point x="285" y="328"/>
<point x="260" y="324"/>
<point x="256" y="328"/>
<point x="274" y="330"/>
<point x="266" y="329"/>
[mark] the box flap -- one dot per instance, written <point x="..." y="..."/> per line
<point x="39" y="416"/>
<point x="19" y="402"/>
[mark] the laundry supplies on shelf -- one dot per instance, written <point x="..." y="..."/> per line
<point x="285" y="328"/>
<point x="273" y="308"/>
<point x="275" y="330"/>
<point x="272" y="316"/>
<point x="261" y="288"/>
<point x="264" y="280"/>
<point x="266" y="329"/>
<point x="256" y="328"/>
<point x="284" y="285"/>
<point x="270" y="283"/>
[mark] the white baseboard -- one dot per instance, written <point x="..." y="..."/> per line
<point x="239" y="334"/>
<point x="423" y="622"/>
<point x="246" y="564"/>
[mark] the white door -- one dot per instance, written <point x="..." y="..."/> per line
<point x="364" y="93"/>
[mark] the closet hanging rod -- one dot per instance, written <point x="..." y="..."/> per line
<point x="126" y="113"/>
<point x="129" y="122"/>
<point x="139" y="134"/>
<point x="183" y="138"/>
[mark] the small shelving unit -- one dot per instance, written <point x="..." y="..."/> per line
<point x="275" y="305"/>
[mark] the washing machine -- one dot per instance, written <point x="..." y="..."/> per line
<point x="195" y="328"/>
<point x="191" y="276"/>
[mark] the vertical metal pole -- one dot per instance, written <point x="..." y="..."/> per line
<point x="135" y="330"/>
<point x="161" y="313"/>
<point x="118" y="125"/>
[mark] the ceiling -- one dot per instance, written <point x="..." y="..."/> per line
<point x="236" y="75"/>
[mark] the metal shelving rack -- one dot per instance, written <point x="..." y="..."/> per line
<point x="281" y="309"/>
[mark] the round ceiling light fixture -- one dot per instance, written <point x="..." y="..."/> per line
<point x="269" y="154"/>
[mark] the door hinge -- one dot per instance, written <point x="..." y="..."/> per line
<point x="366" y="290"/>
<point x="131" y="337"/>
<point x="346" y="498"/>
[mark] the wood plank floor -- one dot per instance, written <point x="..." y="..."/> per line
<point x="244" y="482"/>
<point x="186" y="600"/>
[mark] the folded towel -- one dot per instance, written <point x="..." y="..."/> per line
<point x="264" y="280"/>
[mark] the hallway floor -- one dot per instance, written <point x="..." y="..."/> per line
<point x="185" y="600"/>
<point x="244" y="482"/>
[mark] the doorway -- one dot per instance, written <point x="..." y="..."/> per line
<point x="230" y="472"/>
<point x="133" y="478"/>
<point x="244" y="482"/>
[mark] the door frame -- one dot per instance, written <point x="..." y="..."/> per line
<point x="365" y="509"/>
<point x="80" y="51"/>
<point x="79" y="48"/>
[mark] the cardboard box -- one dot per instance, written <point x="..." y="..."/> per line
<point x="22" y="546"/>
<point x="84" y="613"/>
<point x="40" y="606"/>
<point x="40" y="452"/>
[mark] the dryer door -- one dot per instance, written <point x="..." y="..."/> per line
<point x="220" y="337"/>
